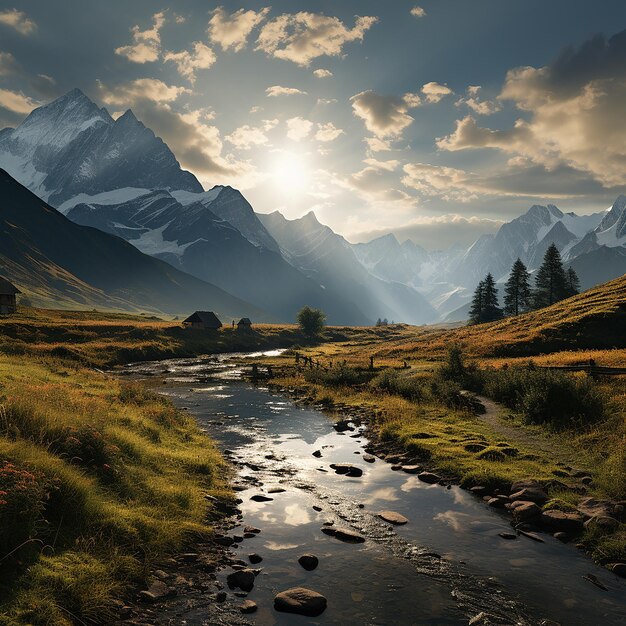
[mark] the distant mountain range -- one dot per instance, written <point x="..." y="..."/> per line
<point x="118" y="177"/>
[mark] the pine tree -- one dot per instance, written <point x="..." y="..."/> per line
<point x="476" y="308"/>
<point x="517" y="290"/>
<point x="485" y="307"/>
<point x="491" y="307"/>
<point x="573" y="282"/>
<point x="551" y="282"/>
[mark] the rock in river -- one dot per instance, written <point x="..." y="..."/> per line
<point x="243" y="578"/>
<point x="309" y="562"/>
<point x="343" y="534"/>
<point x="261" y="498"/>
<point x="347" y="469"/>
<point x="300" y="601"/>
<point x="393" y="518"/>
<point x="248" y="606"/>
<point x="429" y="477"/>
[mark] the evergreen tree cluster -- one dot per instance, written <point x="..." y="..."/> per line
<point x="552" y="283"/>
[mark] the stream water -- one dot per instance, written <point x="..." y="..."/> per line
<point x="445" y="566"/>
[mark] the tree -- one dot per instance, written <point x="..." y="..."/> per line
<point x="311" y="321"/>
<point x="476" y="308"/>
<point x="551" y="282"/>
<point x="517" y="290"/>
<point x="485" y="307"/>
<point x="572" y="282"/>
<point x="491" y="307"/>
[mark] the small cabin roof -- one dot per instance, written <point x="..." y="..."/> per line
<point x="208" y="318"/>
<point x="7" y="288"/>
<point x="244" y="321"/>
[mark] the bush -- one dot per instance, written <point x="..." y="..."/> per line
<point x="546" y="396"/>
<point x="392" y="382"/>
<point x="339" y="376"/>
<point x="455" y="369"/>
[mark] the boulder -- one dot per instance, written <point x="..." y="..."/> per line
<point x="565" y="521"/>
<point x="309" y="562"/>
<point x="594" y="507"/>
<point x="429" y="477"/>
<point x="242" y="579"/>
<point x="368" y="458"/>
<point x="524" y="511"/>
<point x="343" y="534"/>
<point x="300" y="601"/>
<point x="158" y="590"/>
<point x="342" y="425"/>
<point x="255" y="558"/>
<point x="347" y="470"/>
<point x="411" y="469"/>
<point x="393" y="518"/>
<point x="531" y="494"/>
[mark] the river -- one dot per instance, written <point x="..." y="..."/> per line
<point x="446" y="566"/>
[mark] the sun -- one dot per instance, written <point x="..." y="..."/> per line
<point x="290" y="172"/>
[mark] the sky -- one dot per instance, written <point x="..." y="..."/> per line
<point x="435" y="120"/>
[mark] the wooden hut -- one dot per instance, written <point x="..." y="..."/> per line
<point x="244" y="324"/>
<point x="204" y="320"/>
<point x="8" y="293"/>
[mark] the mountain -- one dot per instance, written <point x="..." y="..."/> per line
<point x="387" y="259"/>
<point x="330" y="260"/>
<point x="72" y="146"/>
<point x="192" y="237"/>
<point x="57" y="262"/>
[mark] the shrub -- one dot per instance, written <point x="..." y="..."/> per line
<point x="339" y="376"/>
<point x="455" y="369"/>
<point x="545" y="396"/>
<point x="392" y="382"/>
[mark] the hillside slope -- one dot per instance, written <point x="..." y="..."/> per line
<point x="594" y="319"/>
<point x="56" y="262"/>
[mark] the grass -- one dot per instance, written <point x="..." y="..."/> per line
<point x="98" y="478"/>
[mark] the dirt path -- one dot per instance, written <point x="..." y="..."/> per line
<point x="526" y="436"/>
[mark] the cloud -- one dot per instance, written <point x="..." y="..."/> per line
<point x="376" y="183"/>
<point x="447" y="183"/>
<point x="277" y="90"/>
<point x="328" y="132"/>
<point x="202" y="57"/>
<point x="418" y="12"/>
<point x="574" y="111"/>
<point x="16" y="102"/>
<point x="321" y="73"/>
<point x="147" y="43"/>
<point x="298" y="128"/>
<point x="327" y="101"/>
<point x="385" y="116"/>
<point x="45" y="86"/>
<point x="8" y="64"/>
<point x="302" y="37"/>
<point x="151" y="89"/>
<point x="245" y="137"/>
<point x="375" y="144"/>
<point x="434" y="92"/>
<point x="473" y="102"/>
<point x="18" y="20"/>
<point x="232" y="31"/>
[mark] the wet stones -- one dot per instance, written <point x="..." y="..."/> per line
<point x="248" y="606"/>
<point x="524" y="511"/>
<point x="300" y="601"/>
<point x="276" y="490"/>
<point x="346" y="469"/>
<point x="242" y="579"/>
<point x="343" y="534"/>
<point x="317" y="454"/>
<point x="309" y="562"/>
<point x="507" y="536"/>
<point x="429" y="477"/>
<point x="619" y="569"/>
<point x="368" y="458"/>
<point x="392" y="517"/>
<point x="565" y="521"/>
<point x="261" y="498"/>
<point x="251" y="529"/>
<point x="343" y="425"/>
<point x="158" y="590"/>
<point x="411" y="469"/>
<point x="255" y="558"/>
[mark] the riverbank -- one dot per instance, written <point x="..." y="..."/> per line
<point x="548" y="480"/>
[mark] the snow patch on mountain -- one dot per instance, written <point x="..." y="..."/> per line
<point x="116" y="196"/>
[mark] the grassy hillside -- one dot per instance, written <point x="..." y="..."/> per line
<point x="97" y="478"/>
